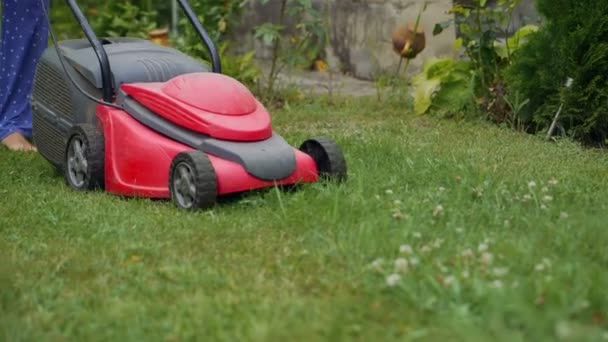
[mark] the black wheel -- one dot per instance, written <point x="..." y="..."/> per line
<point x="192" y="181"/>
<point x="328" y="157"/>
<point x="84" y="158"/>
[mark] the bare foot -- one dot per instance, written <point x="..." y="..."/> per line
<point x="17" y="142"/>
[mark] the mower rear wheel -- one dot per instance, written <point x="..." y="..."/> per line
<point x="84" y="158"/>
<point x="192" y="181"/>
<point x="328" y="156"/>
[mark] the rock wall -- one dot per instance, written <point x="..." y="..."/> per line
<point x="361" y="31"/>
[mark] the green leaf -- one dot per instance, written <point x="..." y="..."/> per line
<point x="458" y="44"/>
<point x="440" y="27"/>
<point x="453" y="95"/>
<point x="425" y="89"/>
<point x="516" y="41"/>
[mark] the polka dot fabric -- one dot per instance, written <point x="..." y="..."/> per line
<point x="23" y="40"/>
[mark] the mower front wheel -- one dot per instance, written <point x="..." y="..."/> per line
<point x="84" y="158"/>
<point x="328" y="156"/>
<point x="192" y="181"/>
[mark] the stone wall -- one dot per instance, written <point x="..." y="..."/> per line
<point x="361" y="31"/>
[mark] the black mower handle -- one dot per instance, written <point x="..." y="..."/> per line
<point x="104" y="62"/>
<point x="216" y="64"/>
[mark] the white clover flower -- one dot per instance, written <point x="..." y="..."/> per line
<point x="438" y="210"/>
<point x="449" y="280"/>
<point x="531" y="184"/>
<point x="414" y="261"/>
<point x="389" y="192"/>
<point x="482" y="247"/>
<point x="467" y="253"/>
<point x="553" y="181"/>
<point x="563" y="330"/>
<point x="543" y="207"/>
<point x="544" y="189"/>
<point x="441" y="189"/>
<point x="377" y="264"/>
<point x="425" y="249"/>
<point x="437" y="243"/>
<point x="478" y="192"/>
<point x="465" y="274"/>
<point x="563" y="215"/>
<point x="497" y="284"/>
<point x="406" y="249"/>
<point x="459" y="230"/>
<point x="401" y="265"/>
<point x="486" y="258"/>
<point x="539" y="267"/>
<point x="547" y="198"/>
<point x="417" y="235"/>
<point x="393" y="280"/>
<point x="500" y="271"/>
<point x="397" y="202"/>
<point x="527" y="197"/>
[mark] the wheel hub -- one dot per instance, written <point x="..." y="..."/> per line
<point x="77" y="162"/>
<point x="183" y="185"/>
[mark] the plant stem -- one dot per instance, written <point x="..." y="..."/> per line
<point x="481" y="42"/>
<point x="418" y="18"/>
<point x="399" y="66"/>
<point x="276" y="51"/>
<point x="328" y="46"/>
<point x="554" y="123"/>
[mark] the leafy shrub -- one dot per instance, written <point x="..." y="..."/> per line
<point x="448" y="87"/>
<point x="292" y="46"/>
<point x="572" y="44"/>
<point x="114" y="18"/>
<point x="218" y="18"/>
<point x="124" y="19"/>
<point x="445" y="86"/>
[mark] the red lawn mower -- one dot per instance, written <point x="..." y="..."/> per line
<point x="139" y="119"/>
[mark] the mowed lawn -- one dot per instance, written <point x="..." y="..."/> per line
<point x="445" y="231"/>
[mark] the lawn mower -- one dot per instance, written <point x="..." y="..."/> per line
<point x="137" y="119"/>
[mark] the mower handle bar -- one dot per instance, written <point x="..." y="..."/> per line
<point x="104" y="62"/>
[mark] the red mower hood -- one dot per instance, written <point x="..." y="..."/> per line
<point x="228" y="97"/>
<point x="208" y="103"/>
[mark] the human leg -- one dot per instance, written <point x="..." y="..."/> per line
<point x="24" y="39"/>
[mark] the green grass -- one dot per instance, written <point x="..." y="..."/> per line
<point x="313" y="264"/>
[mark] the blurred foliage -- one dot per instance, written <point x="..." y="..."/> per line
<point x="124" y="19"/>
<point x="218" y="17"/>
<point x="453" y="87"/>
<point x="136" y="18"/>
<point x="572" y="44"/>
<point x="291" y="46"/>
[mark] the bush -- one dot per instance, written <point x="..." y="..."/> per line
<point x="572" y="44"/>
<point x="136" y="18"/>
<point x="218" y="18"/>
<point x="124" y="19"/>
<point x="450" y="87"/>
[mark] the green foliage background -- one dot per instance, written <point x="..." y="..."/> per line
<point x="135" y="18"/>
<point x="572" y="43"/>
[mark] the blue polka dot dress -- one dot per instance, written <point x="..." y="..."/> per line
<point x="24" y="38"/>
